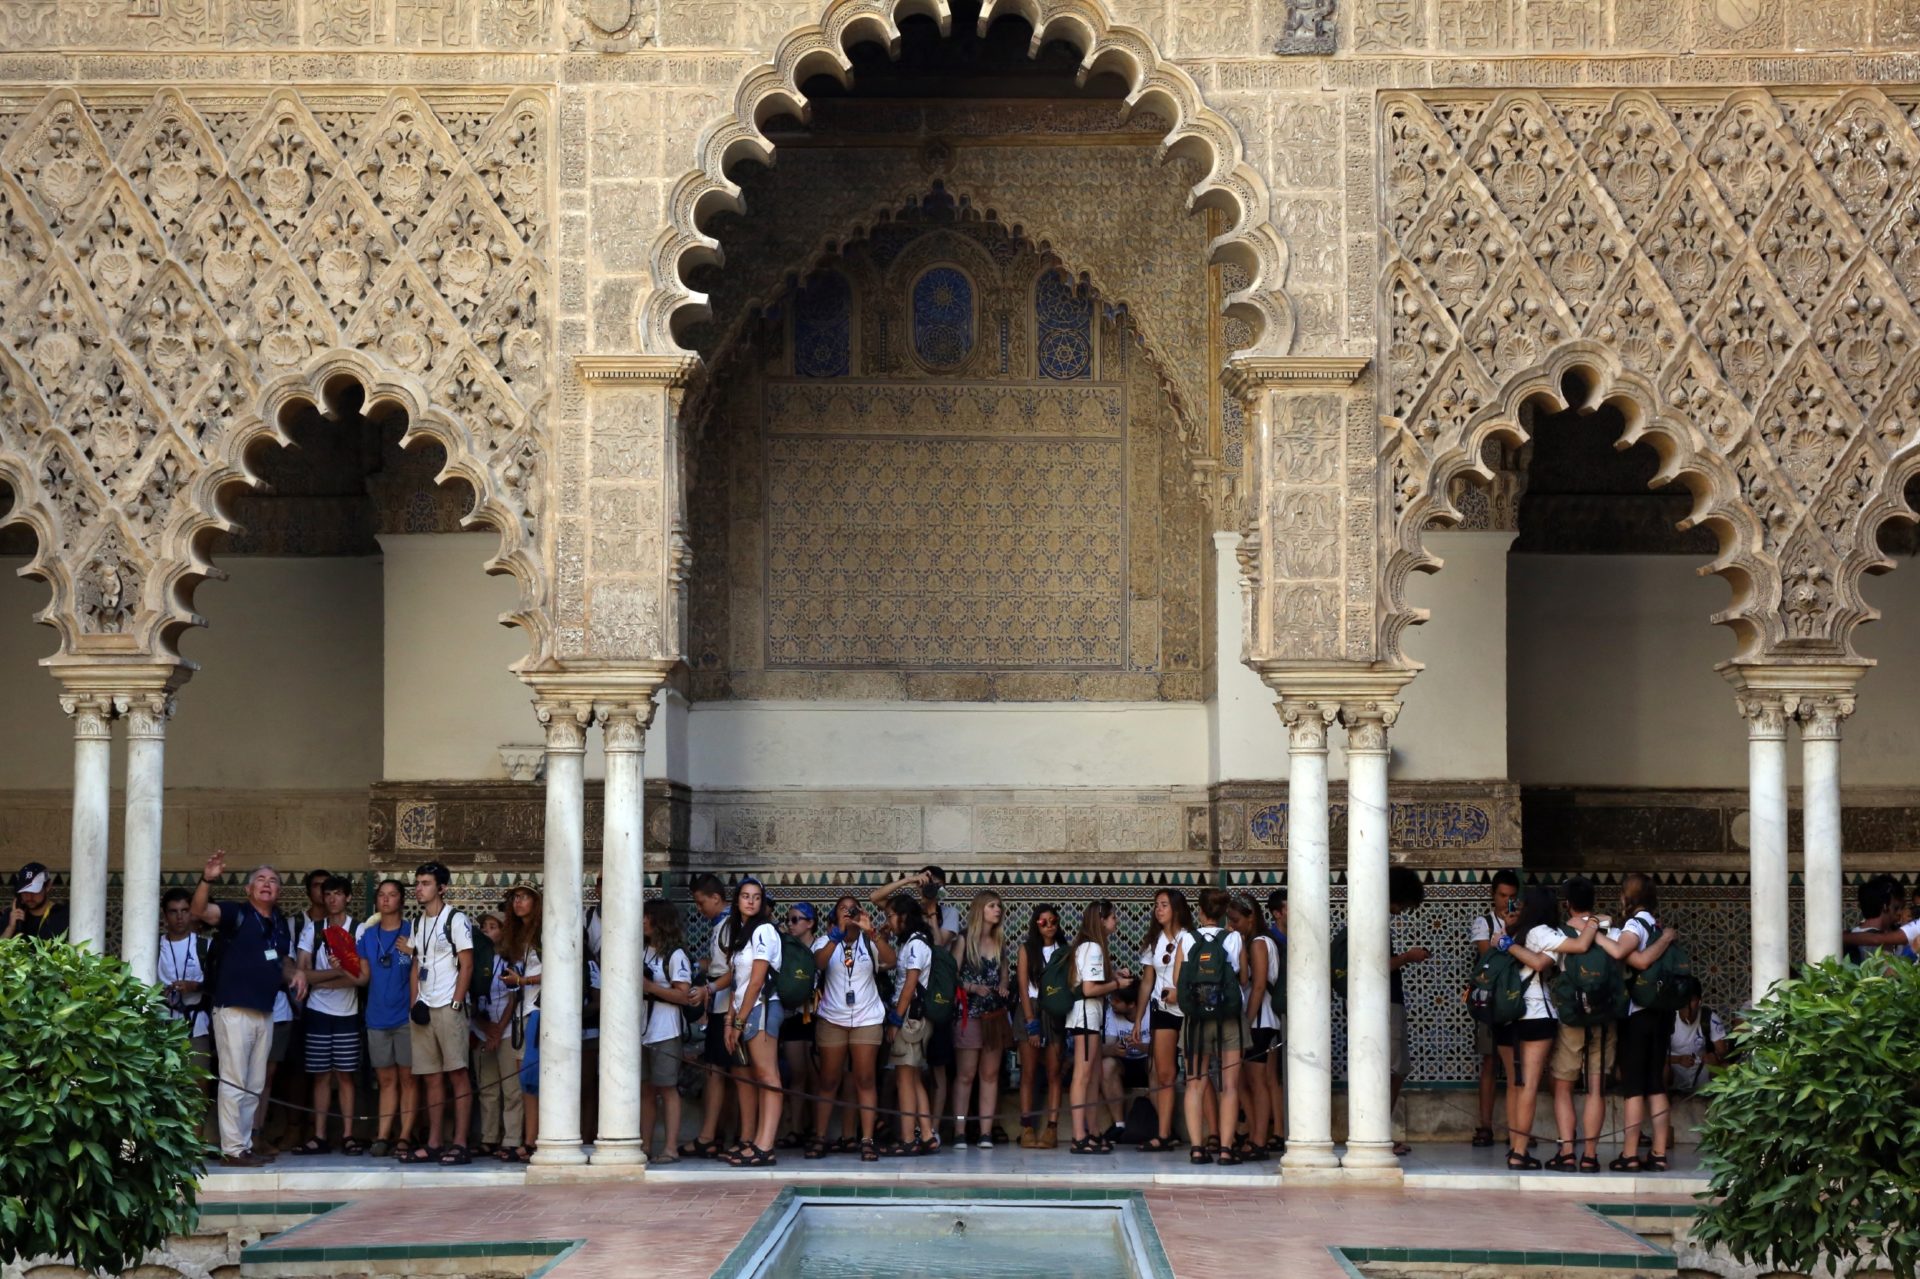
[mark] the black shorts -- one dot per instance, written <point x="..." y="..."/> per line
<point x="796" y="1030"/>
<point x="1265" y="1041"/>
<point x="1133" y="1072"/>
<point x="1160" y="1019"/>
<point x="714" y="1051"/>
<point x="1644" y="1041"/>
<point x="940" y="1054"/>
<point x="1530" y="1030"/>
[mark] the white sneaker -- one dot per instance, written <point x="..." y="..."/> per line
<point x="959" y="1145"/>
<point x="985" y="1143"/>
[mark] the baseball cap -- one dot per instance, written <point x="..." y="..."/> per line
<point x="31" y="878"/>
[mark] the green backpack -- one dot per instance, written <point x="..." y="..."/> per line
<point x="1590" y="990"/>
<point x="943" y="986"/>
<point x="1497" y="992"/>
<point x="1057" y="994"/>
<point x="794" y="983"/>
<point x="1209" y="987"/>
<point x="1659" y="985"/>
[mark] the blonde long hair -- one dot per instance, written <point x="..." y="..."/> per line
<point x="974" y="947"/>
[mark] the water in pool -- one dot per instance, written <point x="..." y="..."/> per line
<point x="842" y="1241"/>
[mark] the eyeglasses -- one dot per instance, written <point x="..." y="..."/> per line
<point x="798" y="919"/>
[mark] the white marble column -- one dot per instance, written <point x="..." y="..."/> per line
<point x="621" y="898"/>
<point x="562" y="967"/>
<point x="146" y="715"/>
<point x="1309" y="1073"/>
<point x="1766" y="718"/>
<point x="1820" y="790"/>
<point x="1369" y="945"/>
<point x="92" y="816"/>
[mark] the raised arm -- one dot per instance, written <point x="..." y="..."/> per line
<point x="203" y="910"/>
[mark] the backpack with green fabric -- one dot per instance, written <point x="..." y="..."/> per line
<point x="1057" y="994"/>
<point x="1209" y="987"/>
<point x="1277" y="988"/>
<point x="1497" y="992"/>
<point x="793" y="984"/>
<point x="1659" y="985"/>
<point x="943" y="987"/>
<point x="1590" y="990"/>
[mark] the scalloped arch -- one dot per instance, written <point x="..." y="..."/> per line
<point x="384" y="391"/>
<point x="1596" y="375"/>
<point x="1250" y="240"/>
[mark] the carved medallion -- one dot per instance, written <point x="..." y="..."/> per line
<point x="610" y="16"/>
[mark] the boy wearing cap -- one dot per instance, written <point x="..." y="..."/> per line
<point x="32" y="914"/>
<point x="442" y="947"/>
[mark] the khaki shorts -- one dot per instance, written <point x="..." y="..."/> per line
<point x="828" y="1035"/>
<point x="1578" y="1050"/>
<point x="663" y="1064"/>
<point x="390" y="1047"/>
<point x="440" y="1046"/>
<point x="910" y="1044"/>
<point x="1229" y="1036"/>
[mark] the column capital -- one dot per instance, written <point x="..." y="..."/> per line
<point x="1367" y="723"/>
<point x="623" y="725"/>
<point x="566" y="725"/>
<point x="1307" y="723"/>
<point x="1765" y="713"/>
<point x="1820" y="714"/>
<point x="91" y="712"/>
<point x="147" y="713"/>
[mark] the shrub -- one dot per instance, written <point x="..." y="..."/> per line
<point x="100" y="1110"/>
<point x="1813" y="1138"/>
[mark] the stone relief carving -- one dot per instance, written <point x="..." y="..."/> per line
<point x="1223" y="178"/>
<point x="1309" y="27"/>
<point x="1740" y="272"/>
<point x="174" y="276"/>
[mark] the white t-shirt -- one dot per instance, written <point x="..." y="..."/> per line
<point x="663" y="1018"/>
<point x="438" y="941"/>
<point x="1157" y="946"/>
<point x="764" y="944"/>
<point x="949" y="920"/>
<point x="1640" y="928"/>
<point x="865" y="1008"/>
<point x="333" y="1000"/>
<point x="1233" y="943"/>
<point x="1911" y="931"/>
<point x="720" y="1000"/>
<point x="1089" y="964"/>
<point x="1033" y="987"/>
<point x="1263" y="1016"/>
<point x="1487" y="927"/>
<point x="180" y="961"/>
<point x="1542" y="939"/>
<point x="1690" y="1041"/>
<point x="1121" y="1029"/>
<point x="593" y="983"/>
<point x="493" y="1005"/>
<point x="282" y="1008"/>
<point x="915" y="957"/>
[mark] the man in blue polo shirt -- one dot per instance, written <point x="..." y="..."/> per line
<point x="256" y="962"/>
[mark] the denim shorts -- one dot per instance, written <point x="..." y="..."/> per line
<point x="766" y="1016"/>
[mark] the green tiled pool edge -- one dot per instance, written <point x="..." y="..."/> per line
<point x="1653" y="1258"/>
<point x="1132" y="1202"/>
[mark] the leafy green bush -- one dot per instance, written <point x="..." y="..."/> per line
<point x="1813" y="1138"/>
<point x="100" y="1110"/>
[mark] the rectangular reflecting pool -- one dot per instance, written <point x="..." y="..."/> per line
<point x="839" y="1232"/>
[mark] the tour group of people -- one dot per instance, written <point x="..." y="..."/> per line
<point x="884" y="1026"/>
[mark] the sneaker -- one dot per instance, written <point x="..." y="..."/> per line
<point x="959" y="1141"/>
<point x="959" y="1145"/>
<point x="985" y="1143"/>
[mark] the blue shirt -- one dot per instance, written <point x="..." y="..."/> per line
<point x="387" y="969"/>
<point x="252" y="948"/>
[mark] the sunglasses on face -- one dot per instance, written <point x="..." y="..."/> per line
<point x="798" y="919"/>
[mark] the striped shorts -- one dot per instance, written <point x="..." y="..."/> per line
<point x="333" y="1043"/>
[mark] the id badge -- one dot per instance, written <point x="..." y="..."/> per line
<point x="272" y="954"/>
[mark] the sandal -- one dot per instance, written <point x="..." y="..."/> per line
<point x="507" y="1155"/>
<point x="869" y="1153"/>
<point x="353" y="1146"/>
<point x="424" y="1154"/>
<point x="753" y="1157"/>
<point x="1562" y="1162"/>
<point x="380" y="1149"/>
<point x="1521" y="1162"/>
<point x="1589" y="1164"/>
<point x="901" y="1150"/>
<point x="455" y="1157"/>
<point x="403" y="1150"/>
<point x="699" y="1150"/>
<point x="1627" y="1163"/>
<point x="1276" y="1145"/>
<point x="1084" y="1146"/>
<point x="1401" y="1149"/>
<point x="1483" y="1136"/>
<point x="816" y="1149"/>
<point x="313" y="1146"/>
<point x="927" y="1146"/>
<point x="1656" y="1163"/>
<point x="999" y="1135"/>
<point x="1198" y="1155"/>
<point x="1158" y="1145"/>
<point x="1227" y="1158"/>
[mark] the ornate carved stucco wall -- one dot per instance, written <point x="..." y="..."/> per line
<point x="1020" y="522"/>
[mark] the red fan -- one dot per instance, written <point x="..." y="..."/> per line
<point x="345" y="957"/>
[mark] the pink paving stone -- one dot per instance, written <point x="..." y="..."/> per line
<point x="687" y="1230"/>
